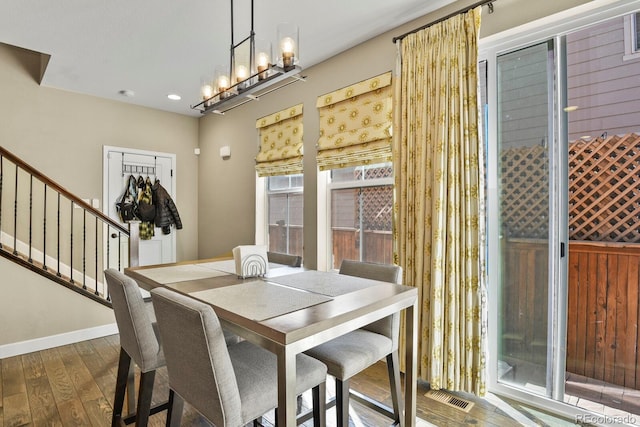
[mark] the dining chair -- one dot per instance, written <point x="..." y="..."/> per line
<point x="228" y="385"/>
<point x="355" y="351"/>
<point x="139" y="342"/>
<point x="284" y="259"/>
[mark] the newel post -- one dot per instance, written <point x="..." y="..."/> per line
<point x="134" y="243"/>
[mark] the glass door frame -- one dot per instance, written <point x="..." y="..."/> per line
<point x="551" y="28"/>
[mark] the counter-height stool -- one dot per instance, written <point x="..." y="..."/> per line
<point x="229" y="385"/>
<point x="138" y="342"/>
<point x="355" y="351"/>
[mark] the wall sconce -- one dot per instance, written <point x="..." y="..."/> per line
<point x="225" y="152"/>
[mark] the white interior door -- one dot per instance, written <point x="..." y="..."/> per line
<point x="120" y="163"/>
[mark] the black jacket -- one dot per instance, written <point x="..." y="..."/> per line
<point x="166" y="211"/>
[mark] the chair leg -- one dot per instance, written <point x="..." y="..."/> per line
<point x="121" y="387"/>
<point x="174" y="411"/>
<point x="319" y="397"/>
<point x="342" y="403"/>
<point x="131" y="390"/>
<point x="394" y="382"/>
<point x="144" y="398"/>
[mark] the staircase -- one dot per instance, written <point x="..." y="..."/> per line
<point x="47" y="229"/>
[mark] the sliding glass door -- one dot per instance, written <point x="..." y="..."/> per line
<point x="526" y="89"/>
<point x="562" y="193"/>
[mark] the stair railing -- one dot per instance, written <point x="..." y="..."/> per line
<point x="48" y="229"/>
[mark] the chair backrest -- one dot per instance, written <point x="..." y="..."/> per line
<point x="285" y="259"/>
<point x="137" y="336"/>
<point x="198" y="362"/>
<point x="390" y="325"/>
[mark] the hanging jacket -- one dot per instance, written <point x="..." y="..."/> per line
<point x="166" y="211"/>
<point x="145" y="203"/>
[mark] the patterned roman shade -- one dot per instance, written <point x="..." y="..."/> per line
<point x="355" y="124"/>
<point x="280" y="143"/>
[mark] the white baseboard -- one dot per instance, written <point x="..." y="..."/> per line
<point x="24" y="347"/>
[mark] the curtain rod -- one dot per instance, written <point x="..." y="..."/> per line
<point x="451" y="15"/>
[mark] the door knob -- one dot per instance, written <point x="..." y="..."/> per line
<point x="114" y="235"/>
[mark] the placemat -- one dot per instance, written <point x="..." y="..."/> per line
<point x="324" y="283"/>
<point x="179" y="273"/>
<point x="258" y="300"/>
<point x="229" y="266"/>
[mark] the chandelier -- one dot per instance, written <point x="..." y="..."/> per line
<point x="253" y="71"/>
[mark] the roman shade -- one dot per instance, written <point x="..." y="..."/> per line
<point x="355" y="124"/>
<point x="280" y="143"/>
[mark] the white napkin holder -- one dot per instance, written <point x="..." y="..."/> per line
<point x="251" y="261"/>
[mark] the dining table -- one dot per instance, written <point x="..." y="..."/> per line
<point x="289" y="310"/>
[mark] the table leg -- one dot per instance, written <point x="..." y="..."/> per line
<point x="286" y="388"/>
<point x="411" y="365"/>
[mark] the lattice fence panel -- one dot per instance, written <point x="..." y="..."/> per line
<point x="377" y="201"/>
<point x="525" y="192"/>
<point x="604" y="189"/>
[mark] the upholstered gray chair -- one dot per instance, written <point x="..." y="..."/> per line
<point x="229" y="386"/>
<point x="284" y="259"/>
<point x="138" y="341"/>
<point x="351" y="353"/>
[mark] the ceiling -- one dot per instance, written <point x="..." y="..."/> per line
<point x="157" y="47"/>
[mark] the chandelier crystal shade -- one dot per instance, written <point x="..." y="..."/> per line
<point x="253" y="71"/>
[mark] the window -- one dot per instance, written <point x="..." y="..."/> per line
<point x="285" y="213"/>
<point x="355" y="183"/>
<point x="361" y="200"/>
<point x="631" y="36"/>
<point x="280" y="180"/>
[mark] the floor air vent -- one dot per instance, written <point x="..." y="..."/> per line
<point x="449" y="399"/>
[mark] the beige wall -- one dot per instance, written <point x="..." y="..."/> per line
<point x="227" y="210"/>
<point x="62" y="134"/>
<point x="33" y="307"/>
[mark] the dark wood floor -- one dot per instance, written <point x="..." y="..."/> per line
<point x="73" y="385"/>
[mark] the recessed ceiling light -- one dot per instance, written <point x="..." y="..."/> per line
<point x="174" y="97"/>
<point x="127" y="92"/>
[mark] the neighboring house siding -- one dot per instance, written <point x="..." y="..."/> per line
<point x="523" y="97"/>
<point x="605" y="87"/>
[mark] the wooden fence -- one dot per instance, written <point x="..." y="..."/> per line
<point x="376" y="247"/>
<point x="278" y="239"/>
<point x="603" y="314"/>
<point x="603" y="338"/>
<point x="524" y="299"/>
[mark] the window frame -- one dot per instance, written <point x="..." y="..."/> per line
<point x="262" y="206"/>
<point x="325" y="187"/>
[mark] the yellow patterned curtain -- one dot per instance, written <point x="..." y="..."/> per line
<point x="355" y="124"/>
<point x="439" y="184"/>
<point x="280" y="143"/>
